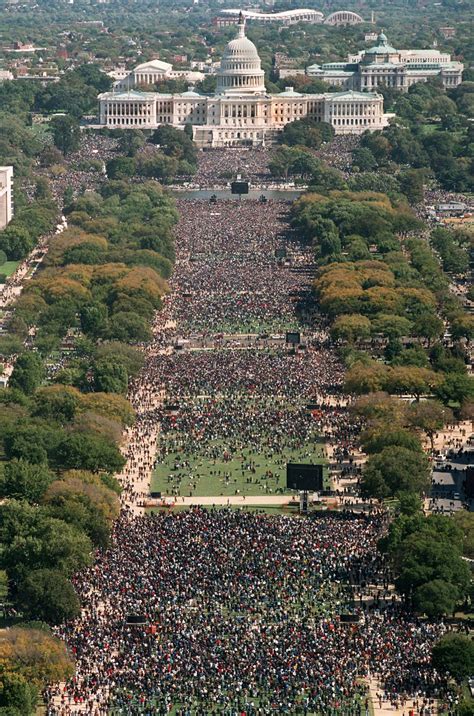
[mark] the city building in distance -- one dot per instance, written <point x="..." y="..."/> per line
<point x="230" y="16"/>
<point x="384" y="65"/>
<point x="241" y="112"/>
<point x="286" y="17"/>
<point x="6" y="196"/>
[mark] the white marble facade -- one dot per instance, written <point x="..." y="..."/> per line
<point x="241" y="111"/>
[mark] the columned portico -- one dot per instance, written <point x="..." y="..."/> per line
<point x="241" y="111"/>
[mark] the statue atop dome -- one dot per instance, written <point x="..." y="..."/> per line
<point x="241" y="25"/>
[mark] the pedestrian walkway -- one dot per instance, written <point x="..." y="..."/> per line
<point x="409" y="707"/>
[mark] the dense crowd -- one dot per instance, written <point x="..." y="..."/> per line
<point x="228" y="275"/>
<point x="216" y="167"/>
<point x="241" y="611"/>
<point x="240" y="396"/>
<point x="242" y="614"/>
<point x="338" y="152"/>
<point x="83" y="169"/>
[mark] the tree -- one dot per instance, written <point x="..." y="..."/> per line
<point x="66" y="133"/>
<point x="358" y="250"/>
<point x="379" y="408"/>
<point x="94" y="319"/>
<point x="425" y="557"/>
<point x="414" y="356"/>
<point x="128" y="326"/>
<point x="121" y="167"/>
<point x="131" y="141"/>
<point x="326" y="238"/>
<point x="454" y="653"/>
<point x="352" y="328"/>
<point x="465" y="521"/>
<point x="56" y="402"/>
<point x="411" y="380"/>
<point x="435" y="598"/>
<point x="426" y="549"/>
<point x="427" y="325"/>
<point x="175" y="143"/>
<point x="409" y="503"/>
<point x="16" y="241"/>
<point x="27" y="373"/>
<point x="110" y="405"/>
<point x="96" y="488"/>
<point x="391" y="326"/>
<point x="24" y="481"/>
<point x="411" y="184"/>
<point x="303" y="132"/>
<point x="110" y="377"/>
<point x="17" y="696"/>
<point x="121" y="353"/>
<point x="463" y="327"/>
<point x="92" y="74"/>
<point x="394" y="470"/>
<point x="376" y="439"/>
<point x="88" y="452"/>
<point x="362" y="378"/>
<point x="363" y="158"/>
<point x="88" y="506"/>
<point x="35" y="655"/>
<point x="455" y="388"/>
<point x="428" y="416"/>
<point x="34" y="540"/>
<point x="47" y="595"/>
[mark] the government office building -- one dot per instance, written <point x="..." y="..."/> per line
<point x="241" y="112"/>
<point x="384" y="65"/>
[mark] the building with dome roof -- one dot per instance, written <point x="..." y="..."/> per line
<point x="383" y="65"/>
<point x="241" y="112"/>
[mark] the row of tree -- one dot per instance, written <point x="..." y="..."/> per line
<point x="434" y="134"/>
<point x="164" y="155"/>
<point x="385" y="294"/>
<point x="426" y="555"/>
<point x="61" y="430"/>
<point x="105" y="276"/>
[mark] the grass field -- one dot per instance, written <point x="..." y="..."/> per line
<point x="8" y="267"/>
<point x="205" y="477"/>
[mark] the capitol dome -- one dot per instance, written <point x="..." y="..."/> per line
<point x="242" y="49"/>
<point x="241" y="70"/>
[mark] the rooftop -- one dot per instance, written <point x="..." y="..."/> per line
<point x="154" y="65"/>
<point x="352" y="94"/>
<point x="383" y="47"/>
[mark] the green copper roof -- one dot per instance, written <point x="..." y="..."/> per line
<point x="383" y="46"/>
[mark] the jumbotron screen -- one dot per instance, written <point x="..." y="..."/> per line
<point x="304" y="477"/>
<point x="239" y="187"/>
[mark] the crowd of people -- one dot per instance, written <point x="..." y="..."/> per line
<point x="242" y="395"/>
<point x="81" y="170"/>
<point x="240" y="613"/>
<point x="216" y="167"/>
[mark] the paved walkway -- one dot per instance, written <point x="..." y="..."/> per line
<point x="385" y="708"/>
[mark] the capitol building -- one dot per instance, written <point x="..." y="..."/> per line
<point x="241" y="112"/>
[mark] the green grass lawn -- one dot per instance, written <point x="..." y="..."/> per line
<point x="9" y="267"/>
<point x="205" y="477"/>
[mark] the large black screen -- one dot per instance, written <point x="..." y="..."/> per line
<point x="304" y="477"/>
<point x="239" y="187"/>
